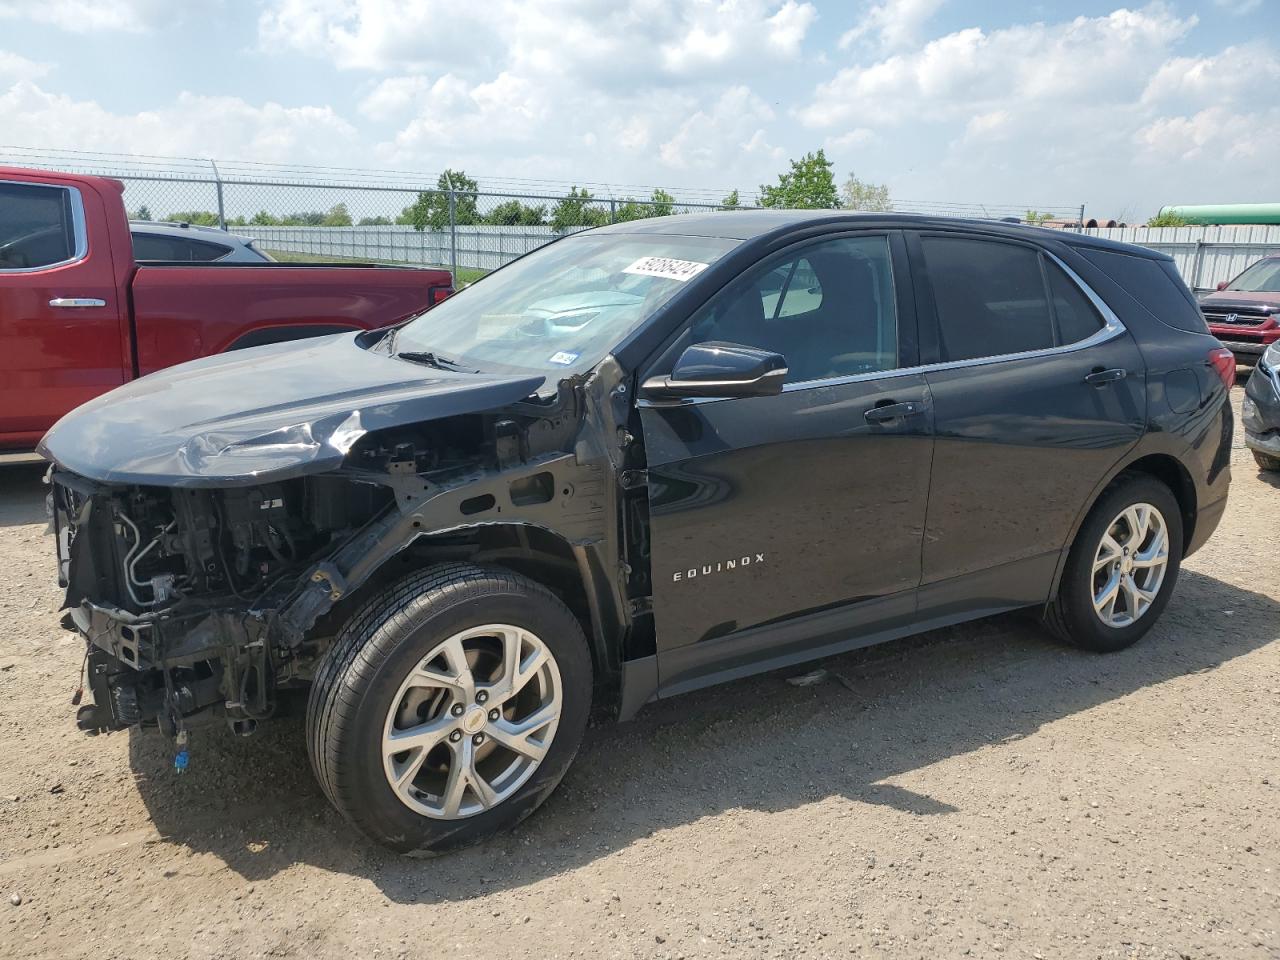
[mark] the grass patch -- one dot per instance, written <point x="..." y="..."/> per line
<point x="466" y="275"/>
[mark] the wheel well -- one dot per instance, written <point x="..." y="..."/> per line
<point x="1173" y="475"/>
<point x="536" y="553"/>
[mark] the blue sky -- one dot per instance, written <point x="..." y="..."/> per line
<point x="1121" y="108"/>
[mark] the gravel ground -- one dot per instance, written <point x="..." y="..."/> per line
<point x="976" y="791"/>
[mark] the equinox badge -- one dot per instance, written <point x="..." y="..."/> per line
<point x="720" y="566"/>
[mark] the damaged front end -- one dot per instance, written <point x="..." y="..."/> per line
<point x="202" y="603"/>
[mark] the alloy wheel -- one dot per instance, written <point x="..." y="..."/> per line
<point x="472" y="721"/>
<point x="1129" y="565"/>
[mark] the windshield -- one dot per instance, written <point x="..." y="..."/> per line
<point x="1263" y="276"/>
<point x="562" y="308"/>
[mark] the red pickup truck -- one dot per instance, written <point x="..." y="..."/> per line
<point x="79" y="315"/>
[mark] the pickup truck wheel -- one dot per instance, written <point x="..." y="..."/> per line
<point x="1122" y="567"/>
<point x="449" y="707"/>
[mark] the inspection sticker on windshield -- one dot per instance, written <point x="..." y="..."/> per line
<point x="564" y="358"/>
<point x="666" y="268"/>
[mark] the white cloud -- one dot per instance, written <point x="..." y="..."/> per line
<point x="204" y="125"/>
<point x="382" y="35"/>
<point x="605" y="41"/>
<point x="706" y="137"/>
<point x="1246" y="141"/>
<point x="395" y="96"/>
<point x="1249" y="71"/>
<point x="894" y="23"/>
<point x="1018" y="68"/>
<point x="20" y="68"/>
<point x="86" y="16"/>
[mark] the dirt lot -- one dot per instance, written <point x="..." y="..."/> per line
<point x="978" y="791"/>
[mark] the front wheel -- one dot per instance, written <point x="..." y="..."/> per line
<point x="449" y="707"/>
<point x="1122" y="567"/>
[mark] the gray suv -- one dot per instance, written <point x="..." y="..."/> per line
<point x="184" y="243"/>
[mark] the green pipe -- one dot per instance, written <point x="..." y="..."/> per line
<point x="1226" y="212"/>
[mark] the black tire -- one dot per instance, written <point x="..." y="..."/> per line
<point x="384" y="639"/>
<point x="1266" y="461"/>
<point x="1070" y="616"/>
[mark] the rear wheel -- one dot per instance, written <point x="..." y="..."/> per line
<point x="449" y="707"/>
<point x="1122" y="567"/>
<point x="1266" y="461"/>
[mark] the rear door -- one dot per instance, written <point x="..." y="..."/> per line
<point x="780" y="524"/>
<point x="1038" y="391"/>
<point x="62" y="340"/>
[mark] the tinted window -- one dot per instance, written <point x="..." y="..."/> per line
<point x="36" y="228"/>
<point x="1076" y="316"/>
<point x="202" y="250"/>
<point x="154" y="246"/>
<point x="990" y="297"/>
<point x="830" y="312"/>
<point x="1153" y="283"/>
<point x="158" y="246"/>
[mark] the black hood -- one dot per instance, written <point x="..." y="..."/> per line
<point x="268" y="413"/>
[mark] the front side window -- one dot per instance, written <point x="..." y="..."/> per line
<point x="36" y="226"/>
<point x="562" y="308"/>
<point x="830" y="312"/>
<point x="996" y="298"/>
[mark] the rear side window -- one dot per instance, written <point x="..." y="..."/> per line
<point x="156" y="246"/>
<point x="1153" y="283"/>
<point x="36" y="226"/>
<point x="998" y="298"/>
<point x="201" y="250"/>
<point x="990" y="297"/>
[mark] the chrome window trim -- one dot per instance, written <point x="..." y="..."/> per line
<point x="79" y="232"/>
<point x="1112" y="327"/>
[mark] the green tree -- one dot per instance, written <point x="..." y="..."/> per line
<point x="730" y="202"/>
<point x="374" y="222"/>
<point x="575" y="210"/>
<point x="513" y="213"/>
<point x="304" y="218"/>
<point x="431" y="210"/>
<point x="808" y="185"/>
<point x="264" y="219"/>
<point x="142" y="213"/>
<point x="201" y="218"/>
<point x="1166" y="220"/>
<point x="1037" y="217"/>
<point x="868" y="197"/>
<point x="659" y="204"/>
<point x="337" y="216"/>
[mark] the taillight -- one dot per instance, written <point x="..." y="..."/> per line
<point x="1223" y="362"/>
<point x="436" y="294"/>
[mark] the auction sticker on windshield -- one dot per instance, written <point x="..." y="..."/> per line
<point x="666" y="268"/>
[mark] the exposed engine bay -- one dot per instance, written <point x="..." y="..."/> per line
<point x="200" y="604"/>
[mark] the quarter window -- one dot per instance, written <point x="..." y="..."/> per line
<point x="36" y="226"/>
<point x="1076" y="316"/>
<point x="830" y="312"/>
<point x="997" y="298"/>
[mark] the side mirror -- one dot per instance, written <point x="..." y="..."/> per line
<point x="716" y="369"/>
<point x="1222" y="284"/>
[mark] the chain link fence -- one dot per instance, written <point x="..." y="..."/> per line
<point x="304" y="213"/>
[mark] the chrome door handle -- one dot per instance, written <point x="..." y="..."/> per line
<point x="1099" y="377"/>
<point x="77" y="302"/>
<point x="893" y="411"/>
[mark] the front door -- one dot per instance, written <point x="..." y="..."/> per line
<point x="781" y="523"/>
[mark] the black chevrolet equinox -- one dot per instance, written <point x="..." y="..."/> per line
<point x="638" y="461"/>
